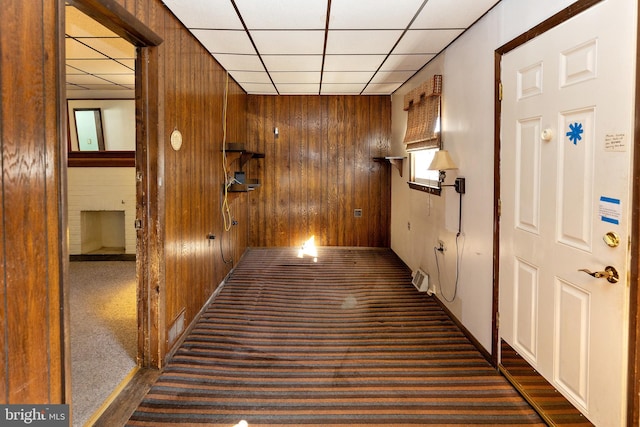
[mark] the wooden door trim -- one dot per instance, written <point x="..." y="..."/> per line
<point x="633" y="376"/>
<point x="119" y="20"/>
<point x="63" y="220"/>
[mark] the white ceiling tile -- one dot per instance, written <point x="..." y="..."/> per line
<point x="113" y="48"/>
<point x="106" y="86"/>
<point x="361" y="42"/>
<point x="352" y="62"/>
<point x="97" y="66"/>
<point x="299" y="89"/>
<point x="250" y="76"/>
<point x="225" y="41"/>
<point x="231" y="62"/>
<point x="381" y="88"/>
<point x="72" y="70"/>
<point x="85" y="79"/>
<point x="425" y="41"/>
<point x="289" y="42"/>
<point x="80" y="25"/>
<point x="283" y="14"/>
<point x="451" y="14"/>
<point x="406" y="62"/>
<point x="338" y="88"/>
<point x="130" y="63"/>
<point x="368" y="14"/>
<point x="296" y="77"/>
<point x="121" y="79"/>
<point x="346" y="77"/>
<point x="218" y="14"/>
<point x="77" y="50"/>
<point x="293" y="62"/>
<point x="392" y="76"/>
<point x="259" y="88"/>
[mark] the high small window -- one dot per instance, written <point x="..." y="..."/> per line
<point x="422" y="138"/>
<point x="420" y="174"/>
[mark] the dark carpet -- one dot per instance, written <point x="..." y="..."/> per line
<point x="346" y="340"/>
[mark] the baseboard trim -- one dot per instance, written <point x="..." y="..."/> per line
<point x="466" y="332"/>
<point x="125" y="399"/>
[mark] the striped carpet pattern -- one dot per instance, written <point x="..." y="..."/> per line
<point x="344" y="340"/>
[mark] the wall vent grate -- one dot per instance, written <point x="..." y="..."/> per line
<point x="420" y="280"/>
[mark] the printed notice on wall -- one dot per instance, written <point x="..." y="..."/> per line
<point x="615" y="142"/>
<point x="610" y="210"/>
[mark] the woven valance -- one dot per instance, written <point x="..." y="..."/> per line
<point x="423" y="107"/>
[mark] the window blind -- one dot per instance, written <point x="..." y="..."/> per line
<point x="423" y="107"/>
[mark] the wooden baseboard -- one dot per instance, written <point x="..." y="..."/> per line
<point x="466" y="332"/>
<point x="125" y="399"/>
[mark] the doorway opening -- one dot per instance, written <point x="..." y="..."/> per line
<point x="101" y="198"/>
<point x="108" y="299"/>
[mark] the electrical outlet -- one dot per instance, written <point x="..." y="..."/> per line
<point x="408" y="226"/>
<point x="441" y="246"/>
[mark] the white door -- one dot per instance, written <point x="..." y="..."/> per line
<point x="566" y="140"/>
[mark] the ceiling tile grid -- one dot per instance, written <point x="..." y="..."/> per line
<point x="96" y="58"/>
<point x="326" y="47"/>
<point x="358" y="47"/>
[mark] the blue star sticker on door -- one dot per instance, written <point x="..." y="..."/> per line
<point x="575" y="133"/>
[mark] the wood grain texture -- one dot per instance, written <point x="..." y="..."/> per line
<point x="190" y="97"/>
<point x="318" y="169"/>
<point x="31" y="369"/>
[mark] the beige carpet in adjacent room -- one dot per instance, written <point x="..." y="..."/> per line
<point x="103" y="331"/>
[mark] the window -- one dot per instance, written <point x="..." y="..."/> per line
<point x="420" y="173"/>
<point x="422" y="137"/>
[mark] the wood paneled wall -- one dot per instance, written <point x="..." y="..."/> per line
<point x="32" y="242"/>
<point x="191" y="97"/>
<point x="187" y="193"/>
<point x="319" y="169"/>
<point x="314" y="175"/>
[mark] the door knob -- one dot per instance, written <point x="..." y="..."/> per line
<point x="609" y="273"/>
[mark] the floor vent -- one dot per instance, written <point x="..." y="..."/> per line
<point x="421" y="281"/>
<point x="176" y="329"/>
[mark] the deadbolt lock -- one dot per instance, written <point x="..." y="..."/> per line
<point x="612" y="239"/>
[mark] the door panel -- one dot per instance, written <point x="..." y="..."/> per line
<point x="526" y="316"/>
<point x="528" y="175"/>
<point x="575" y="179"/>
<point x="572" y="340"/>
<point x="564" y="185"/>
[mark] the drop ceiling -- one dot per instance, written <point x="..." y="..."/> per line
<point x="96" y="58"/>
<point x="361" y="47"/>
<point x="326" y="46"/>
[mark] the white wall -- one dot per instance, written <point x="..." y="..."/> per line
<point x="101" y="189"/>
<point x="467" y="67"/>
<point x="118" y="122"/>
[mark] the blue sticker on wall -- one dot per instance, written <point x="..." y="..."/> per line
<point x="575" y="133"/>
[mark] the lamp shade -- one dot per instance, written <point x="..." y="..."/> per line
<point x="442" y="161"/>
